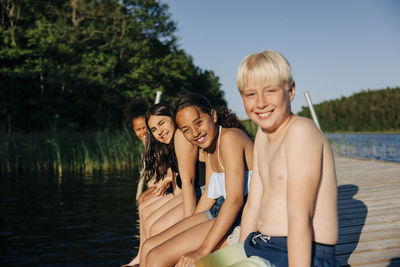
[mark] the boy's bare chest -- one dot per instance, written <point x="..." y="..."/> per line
<point x="272" y="162"/>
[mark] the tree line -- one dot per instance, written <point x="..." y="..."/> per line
<point x="75" y="64"/>
<point x="366" y="111"/>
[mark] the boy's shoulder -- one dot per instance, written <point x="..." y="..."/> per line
<point x="297" y="124"/>
<point x="302" y="122"/>
<point x="303" y="128"/>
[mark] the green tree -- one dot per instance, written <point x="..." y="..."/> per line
<point x="75" y="64"/>
<point x="371" y="110"/>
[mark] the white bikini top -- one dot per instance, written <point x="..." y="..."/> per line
<point x="216" y="186"/>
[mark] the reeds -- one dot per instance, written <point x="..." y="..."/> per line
<point x="70" y="151"/>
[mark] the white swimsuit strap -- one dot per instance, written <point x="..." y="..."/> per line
<point x="219" y="136"/>
<point x="217" y="151"/>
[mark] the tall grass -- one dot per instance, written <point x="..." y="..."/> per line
<point x="70" y="151"/>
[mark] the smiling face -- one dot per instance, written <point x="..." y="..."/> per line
<point x="162" y="128"/>
<point x="198" y="127"/>
<point x="139" y="126"/>
<point x="267" y="105"/>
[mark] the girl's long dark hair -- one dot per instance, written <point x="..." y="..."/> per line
<point x="226" y="118"/>
<point x="157" y="157"/>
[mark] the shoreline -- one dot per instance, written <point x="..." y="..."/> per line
<point x="368" y="159"/>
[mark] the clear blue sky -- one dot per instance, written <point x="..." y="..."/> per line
<point x="335" y="48"/>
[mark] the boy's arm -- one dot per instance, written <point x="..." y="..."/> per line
<point x="303" y="150"/>
<point x="252" y="207"/>
<point x="187" y="154"/>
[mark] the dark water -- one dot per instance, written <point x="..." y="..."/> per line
<point x="72" y="220"/>
<point x="383" y="147"/>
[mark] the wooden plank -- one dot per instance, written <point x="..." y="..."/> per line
<point x="371" y="196"/>
<point x="361" y="214"/>
<point x="387" y="218"/>
<point x="368" y="236"/>
<point x="385" y="190"/>
<point x="369" y="213"/>
<point x="393" y="263"/>
<point x="363" y="246"/>
<point x="394" y="205"/>
<point x="369" y="228"/>
<point x="369" y="257"/>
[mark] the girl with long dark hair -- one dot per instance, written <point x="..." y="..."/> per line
<point x="229" y="161"/>
<point x="168" y="155"/>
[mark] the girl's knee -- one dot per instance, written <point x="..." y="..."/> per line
<point x="148" y="224"/>
<point x="152" y="258"/>
<point x="146" y="248"/>
<point x="140" y="199"/>
<point x="146" y="212"/>
<point x="141" y="206"/>
<point x="156" y="228"/>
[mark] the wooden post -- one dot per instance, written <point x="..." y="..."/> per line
<point x="310" y="105"/>
<point x="158" y="97"/>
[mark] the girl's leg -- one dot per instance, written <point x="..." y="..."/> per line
<point x="154" y="203"/>
<point x="187" y="241"/>
<point x="145" y="210"/>
<point x="177" y="228"/>
<point x="157" y="214"/>
<point x="167" y="220"/>
<point x="149" y="193"/>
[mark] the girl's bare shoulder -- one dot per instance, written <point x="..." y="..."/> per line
<point x="234" y="135"/>
<point x="180" y="139"/>
<point x="178" y="135"/>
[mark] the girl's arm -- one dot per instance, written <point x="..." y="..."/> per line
<point x="233" y="157"/>
<point x="187" y="155"/>
<point x="205" y="203"/>
<point x="162" y="185"/>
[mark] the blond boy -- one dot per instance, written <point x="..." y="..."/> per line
<point x="290" y="217"/>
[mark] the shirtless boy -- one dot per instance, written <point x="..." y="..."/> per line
<point x="290" y="217"/>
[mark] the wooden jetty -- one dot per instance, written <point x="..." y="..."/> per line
<point x="369" y="213"/>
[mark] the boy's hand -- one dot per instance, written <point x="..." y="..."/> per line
<point x="189" y="258"/>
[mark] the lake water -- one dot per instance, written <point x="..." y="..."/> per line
<point x="382" y="147"/>
<point x="91" y="220"/>
<point x="72" y="220"/>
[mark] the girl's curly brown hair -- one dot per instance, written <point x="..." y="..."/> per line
<point x="226" y="118"/>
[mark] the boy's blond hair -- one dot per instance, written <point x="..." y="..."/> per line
<point x="266" y="67"/>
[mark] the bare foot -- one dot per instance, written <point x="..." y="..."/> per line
<point x="134" y="262"/>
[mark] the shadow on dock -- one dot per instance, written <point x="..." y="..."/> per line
<point x="395" y="262"/>
<point x="352" y="214"/>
